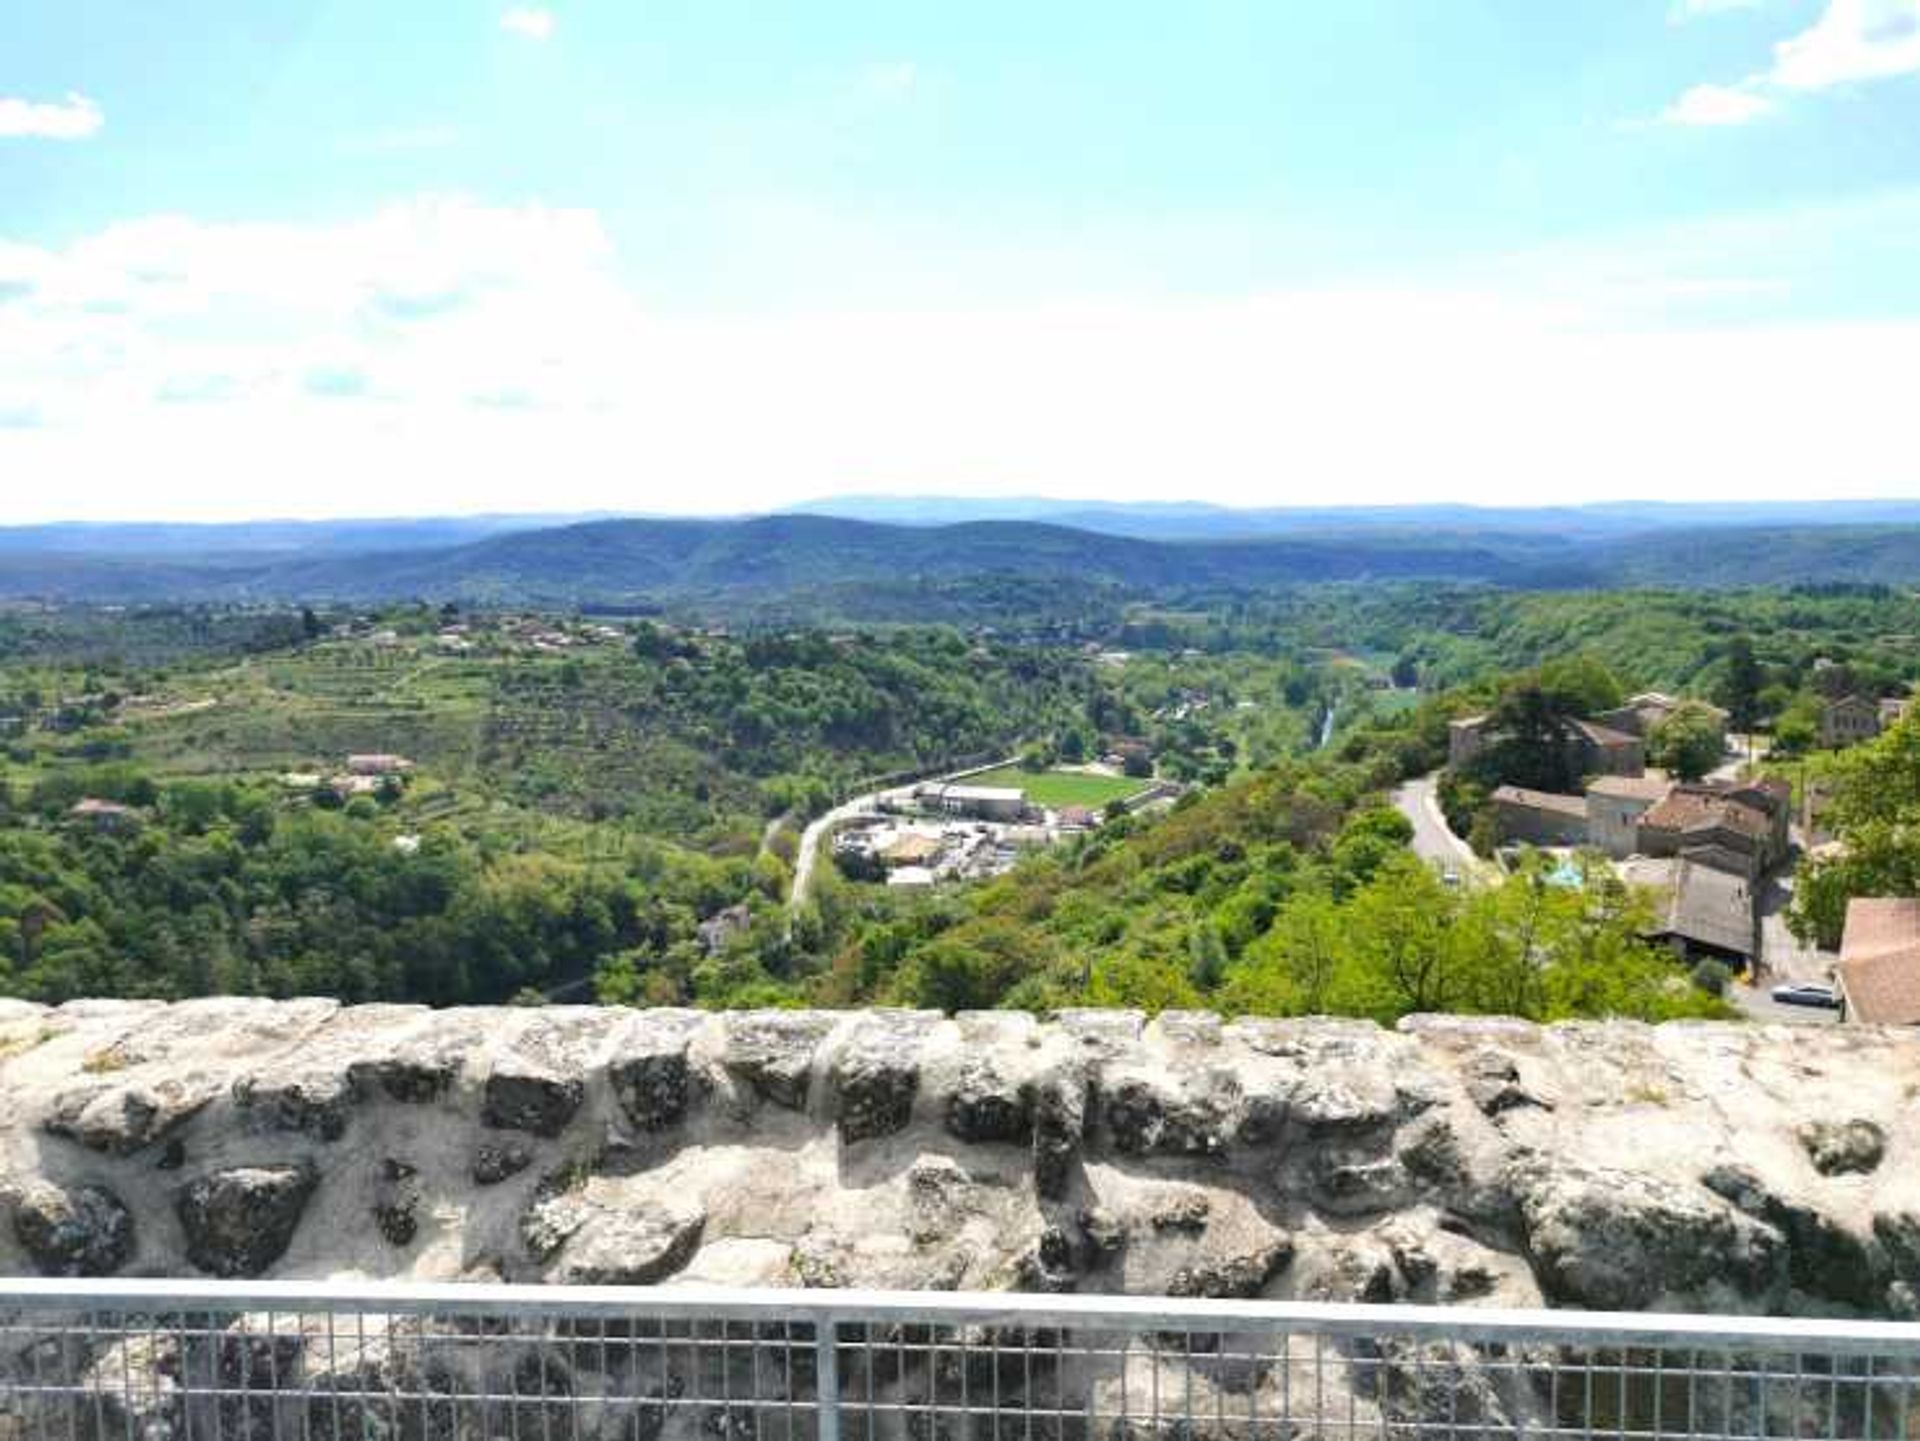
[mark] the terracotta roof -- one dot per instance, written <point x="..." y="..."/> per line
<point x="1691" y="810"/>
<point x="1877" y="925"/>
<point x="1542" y="800"/>
<point x="1649" y="787"/>
<point x="1880" y="960"/>
<point x="1882" y="990"/>
<point x="1777" y="789"/>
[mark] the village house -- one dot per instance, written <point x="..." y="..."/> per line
<point x="1590" y="748"/>
<point x="1467" y="736"/>
<point x="1893" y="709"/>
<point x="1878" y="975"/>
<point x="1639" y="714"/>
<point x="1739" y="829"/>
<point x="104" y="816"/>
<point x="1615" y="806"/>
<point x="1539" y="818"/>
<point x="1600" y="750"/>
<point x="1710" y="914"/>
<point x="376" y="764"/>
<point x="1848" y="721"/>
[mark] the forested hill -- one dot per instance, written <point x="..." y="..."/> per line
<point x="787" y="554"/>
<point x="785" y="557"/>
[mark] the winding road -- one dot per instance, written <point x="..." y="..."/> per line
<point x="808" y="856"/>
<point x="1419" y="801"/>
<point x="1433" y="840"/>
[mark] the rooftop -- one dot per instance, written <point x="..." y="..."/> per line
<point x="1712" y="908"/>
<point x="1879" y="965"/>
<point x="1604" y="735"/>
<point x="983" y="793"/>
<point x="1652" y="786"/>
<point x="1688" y="809"/>
<point x="1541" y="800"/>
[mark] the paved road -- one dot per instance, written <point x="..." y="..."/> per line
<point x="814" y="836"/>
<point x="1418" y="800"/>
<point x="1756" y="1003"/>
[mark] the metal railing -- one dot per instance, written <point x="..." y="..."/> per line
<point x="170" y="1360"/>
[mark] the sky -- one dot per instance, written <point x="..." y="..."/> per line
<point x="352" y="257"/>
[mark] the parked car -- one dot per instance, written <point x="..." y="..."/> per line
<point x="1807" y="993"/>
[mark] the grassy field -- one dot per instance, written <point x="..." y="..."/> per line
<point x="1061" y="788"/>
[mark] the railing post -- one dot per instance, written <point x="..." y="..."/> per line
<point x="826" y="1385"/>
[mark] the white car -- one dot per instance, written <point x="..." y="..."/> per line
<point x="1807" y="993"/>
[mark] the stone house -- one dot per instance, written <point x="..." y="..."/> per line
<point x="1736" y="828"/>
<point x="1538" y="818"/>
<point x="1848" y="721"/>
<point x="1600" y="750"/>
<point x="1711" y="914"/>
<point x="1615" y="806"/>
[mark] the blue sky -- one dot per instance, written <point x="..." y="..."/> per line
<point x="364" y="258"/>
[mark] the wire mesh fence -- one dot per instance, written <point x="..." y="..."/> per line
<point x="164" y="1360"/>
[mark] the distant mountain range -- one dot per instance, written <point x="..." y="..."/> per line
<point x="1138" y="548"/>
<point x="1188" y="520"/>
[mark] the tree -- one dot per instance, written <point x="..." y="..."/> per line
<point x="1532" y="720"/>
<point x="1740" y="685"/>
<point x="1689" y="741"/>
<point x="1398" y="927"/>
<point x="1579" y="685"/>
<point x="1873" y="807"/>
<point x="1797" y="726"/>
<point x="1292" y="970"/>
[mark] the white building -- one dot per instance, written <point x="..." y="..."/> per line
<point x="992" y="803"/>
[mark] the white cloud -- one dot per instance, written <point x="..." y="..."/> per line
<point x="1717" y="105"/>
<point x="75" y="118"/>
<point x="449" y="356"/>
<point x="529" y="22"/>
<point x="1853" y="41"/>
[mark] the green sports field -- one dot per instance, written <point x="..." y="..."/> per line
<point x="1061" y="788"/>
